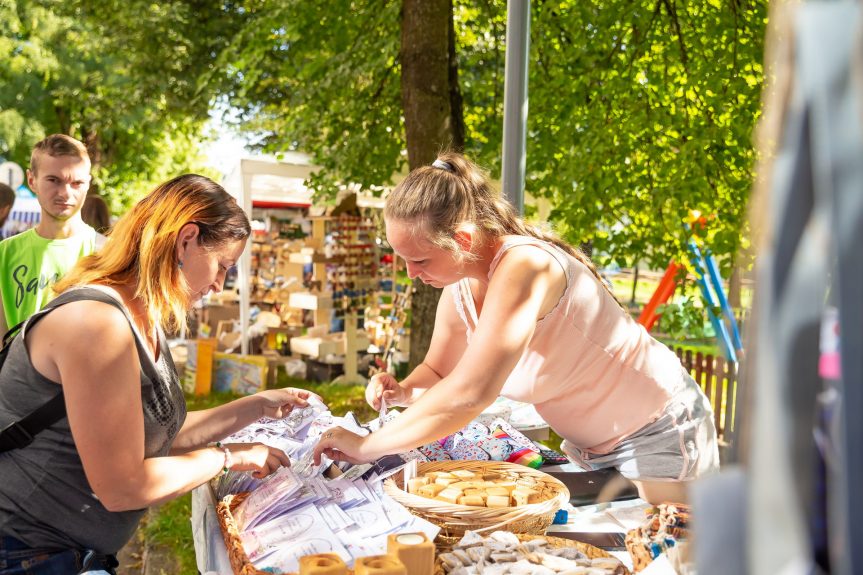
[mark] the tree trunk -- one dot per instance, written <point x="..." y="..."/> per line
<point x="734" y="285"/>
<point x="433" y="121"/>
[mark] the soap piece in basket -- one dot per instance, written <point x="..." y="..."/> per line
<point x="505" y="552"/>
<point x="464" y="487"/>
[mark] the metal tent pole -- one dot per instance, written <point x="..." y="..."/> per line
<point x="515" y="102"/>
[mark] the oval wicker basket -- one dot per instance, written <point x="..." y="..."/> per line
<point x="240" y="563"/>
<point x="454" y="519"/>
<point x="230" y="532"/>
<point x="554" y="543"/>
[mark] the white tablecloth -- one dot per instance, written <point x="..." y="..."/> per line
<point x="210" y="553"/>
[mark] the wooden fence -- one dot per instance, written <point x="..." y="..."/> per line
<point x="718" y="378"/>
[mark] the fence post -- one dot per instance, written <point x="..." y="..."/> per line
<point x="711" y="386"/>
<point x="731" y="401"/>
<point x="720" y="418"/>
<point x="699" y="370"/>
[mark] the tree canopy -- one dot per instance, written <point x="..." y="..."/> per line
<point x="121" y="76"/>
<point x="661" y="99"/>
<point x="639" y="111"/>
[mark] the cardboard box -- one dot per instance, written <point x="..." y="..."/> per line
<point x="318" y="346"/>
<point x="287" y="270"/>
<point x="215" y="313"/>
<point x="244" y="374"/>
<point x="321" y="371"/>
<point x="323" y="345"/>
<point x="309" y="300"/>
<point x="198" y="373"/>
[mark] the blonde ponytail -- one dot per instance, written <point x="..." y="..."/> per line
<point x="454" y="190"/>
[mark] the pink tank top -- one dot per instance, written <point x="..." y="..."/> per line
<point x="593" y="373"/>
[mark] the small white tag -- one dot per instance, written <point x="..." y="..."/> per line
<point x="383" y="412"/>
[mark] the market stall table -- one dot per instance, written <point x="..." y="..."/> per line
<point x="615" y="517"/>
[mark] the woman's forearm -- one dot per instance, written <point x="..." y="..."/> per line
<point x="422" y="378"/>
<point x="207" y="425"/>
<point x="441" y="411"/>
<point x="162" y="479"/>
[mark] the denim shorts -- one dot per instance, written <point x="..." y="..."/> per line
<point x="679" y="445"/>
<point x="16" y="558"/>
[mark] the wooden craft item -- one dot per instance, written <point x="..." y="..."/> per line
<point x="414" y="550"/>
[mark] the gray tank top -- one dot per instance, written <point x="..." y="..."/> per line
<point x="45" y="499"/>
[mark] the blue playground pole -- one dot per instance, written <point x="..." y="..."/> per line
<point x="716" y="280"/>
<point x="710" y="299"/>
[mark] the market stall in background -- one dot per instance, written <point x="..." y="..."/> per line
<point x="326" y="300"/>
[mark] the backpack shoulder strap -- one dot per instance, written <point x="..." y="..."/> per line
<point x="10" y="335"/>
<point x="19" y="434"/>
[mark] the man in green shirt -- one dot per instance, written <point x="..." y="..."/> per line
<point x="31" y="262"/>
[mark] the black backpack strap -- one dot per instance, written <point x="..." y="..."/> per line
<point x="20" y="433"/>
<point x="10" y="335"/>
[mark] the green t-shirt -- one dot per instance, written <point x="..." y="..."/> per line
<point x="31" y="264"/>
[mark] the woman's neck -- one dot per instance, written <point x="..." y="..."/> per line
<point x="484" y="254"/>
<point x="138" y="311"/>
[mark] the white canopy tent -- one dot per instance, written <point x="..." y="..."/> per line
<point x="266" y="182"/>
<point x="269" y="183"/>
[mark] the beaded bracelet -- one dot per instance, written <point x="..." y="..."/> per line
<point x="229" y="461"/>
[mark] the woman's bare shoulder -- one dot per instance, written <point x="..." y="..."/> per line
<point x="87" y="320"/>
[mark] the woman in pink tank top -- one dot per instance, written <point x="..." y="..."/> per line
<point x="527" y="316"/>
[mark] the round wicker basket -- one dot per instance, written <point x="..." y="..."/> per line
<point x="454" y="519"/>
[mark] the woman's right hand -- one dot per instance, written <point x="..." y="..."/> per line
<point x="386" y="386"/>
<point x="260" y="459"/>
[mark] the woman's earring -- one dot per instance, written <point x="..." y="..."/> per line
<point x="180" y="264"/>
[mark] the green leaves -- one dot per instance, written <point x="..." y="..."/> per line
<point x="639" y="110"/>
<point x="120" y="76"/>
<point x="323" y="78"/>
<point x="669" y="95"/>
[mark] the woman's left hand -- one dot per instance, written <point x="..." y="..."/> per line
<point x="278" y="403"/>
<point x="339" y="444"/>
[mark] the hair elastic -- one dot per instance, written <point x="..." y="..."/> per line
<point x="441" y="165"/>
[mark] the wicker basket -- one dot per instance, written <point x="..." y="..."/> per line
<point x="231" y="533"/>
<point x="455" y="519"/>
<point x="554" y="543"/>
<point x="240" y="562"/>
